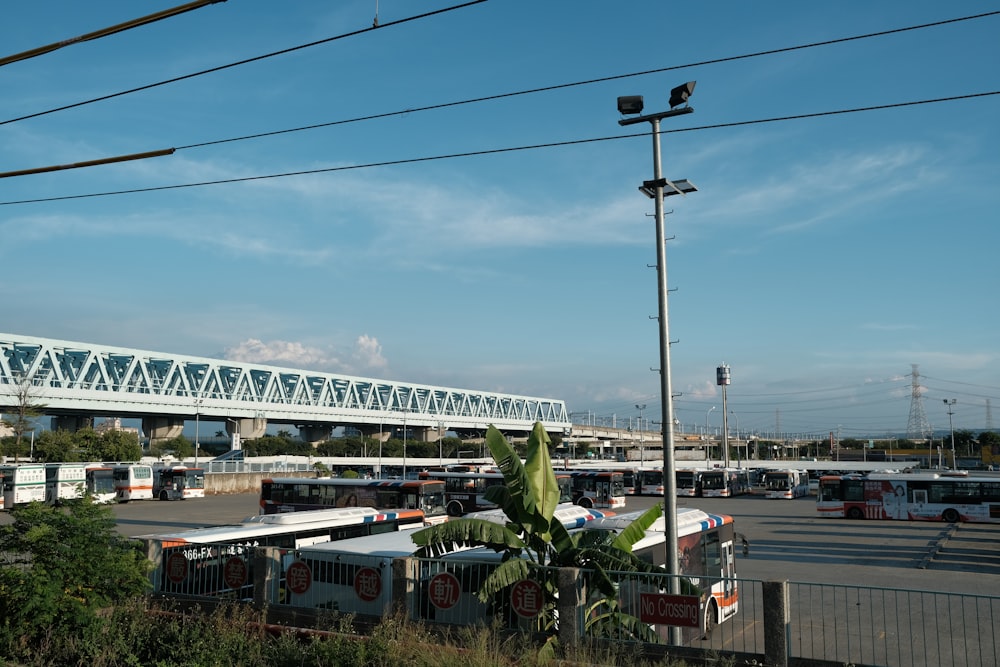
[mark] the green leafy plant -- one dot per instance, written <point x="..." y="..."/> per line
<point x="532" y="542"/>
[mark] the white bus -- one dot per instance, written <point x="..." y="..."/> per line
<point x="23" y="483"/>
<point x="133" y="481"/>
<point x="64" y="481"/>
<point x="649" y="482"/>
<point x="218" y="560"/>
<point x="688" y="482"/>
<point x="178" y="483"/>
<point x="920" y="496"/>
<point x="786" y="484"/>
<point x="725" y="482"/>
<point x="100" y="483"/>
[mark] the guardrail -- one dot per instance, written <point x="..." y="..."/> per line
<point x="778" y="622"/>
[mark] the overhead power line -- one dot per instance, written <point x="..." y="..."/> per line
<point x="104" y="32"/>
<point x="493" y="151"/>
<point x="241" y="62"/>
<point x="444" y="105"/>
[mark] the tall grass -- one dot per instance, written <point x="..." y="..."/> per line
<point x="143" y="634"/>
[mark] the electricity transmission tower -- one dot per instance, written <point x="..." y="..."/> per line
<point x="917" y="427"/>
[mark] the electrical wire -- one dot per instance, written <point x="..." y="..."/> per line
<point x="492" y="151"/>
<point x="105" y="32"/>
<point x="241" y="62"/>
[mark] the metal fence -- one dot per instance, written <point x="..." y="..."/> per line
<point x="776" y="622"/>
<point x="882" y="626"/>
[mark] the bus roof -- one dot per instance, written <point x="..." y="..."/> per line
<point x="570" y="515"/>
<point x="689" y="520"/>
<point x="342" y="481"/>
<point x="276" y="524"/>
<point x="387" y="545"/>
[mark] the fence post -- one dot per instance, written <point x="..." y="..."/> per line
<point x="569" y="603"/>
<point x="266" y="569"/>
<point x="405" y="572"/>
<point x="777" y="623"/>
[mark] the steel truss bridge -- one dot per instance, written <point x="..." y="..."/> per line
<point x="78" y="381"/>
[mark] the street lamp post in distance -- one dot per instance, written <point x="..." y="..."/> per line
<point x="642" y="457"/>
<point x="658" y="189"/>
<point x="951" y="427"/>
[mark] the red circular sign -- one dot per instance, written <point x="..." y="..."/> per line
<point x="526" y="598"/>
<point x="234" y="572"/>
<point x="177" y="567"/>
<point x="368" y="584"/>
<point x="298" y="577"/>
<point x="443" y="590"/>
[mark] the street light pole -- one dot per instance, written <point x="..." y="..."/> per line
<point x="642" y="458"/>
<point x="197" y="420"/>
<point x="657" y="190"/>
<point x="706" y="430"/>
<point x="950" y="402"/>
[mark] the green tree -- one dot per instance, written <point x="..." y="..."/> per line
<point x="119" y="446"/>
<point x="56" y="447"/>
<point x="62" y="569"/>
<point x="533" y="538"/>
<point x="26" y="408"/>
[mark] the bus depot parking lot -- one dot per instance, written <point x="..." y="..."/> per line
<point x="787" y="541"/>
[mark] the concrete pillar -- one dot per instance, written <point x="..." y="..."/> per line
<point x="253" y="427"/>
<point x="777" y="624"/>
<point x="162" y="428"/>
<point x="570" y="601"/>
<point x="405" y="571"/>
<point x="72" y="423"/>
<point x="266" y="571"/>
<point x="315" y="433"/>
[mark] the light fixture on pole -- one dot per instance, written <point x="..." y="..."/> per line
<point x="723" y="379"/>
<point x="950" y="402"/>
<point x="657" y="189"/>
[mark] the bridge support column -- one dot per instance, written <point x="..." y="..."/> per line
<point x="162" y="428"/>
<point x="315" y="433"/>
<point x="248" y="428"/>
<point x="72" y="423"/>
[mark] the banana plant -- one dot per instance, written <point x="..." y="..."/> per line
<point x="532" y="543"/>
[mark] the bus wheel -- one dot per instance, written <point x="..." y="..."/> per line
<point x="586" y="503"/>
<point x="164" y="496"/>
<point x="855" y="513"/>
<point x="709" y="619"/>
<point x="455" y="509"/>
<point x="951" y="515"/>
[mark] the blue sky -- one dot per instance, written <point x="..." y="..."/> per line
<point x="821" y="258"/>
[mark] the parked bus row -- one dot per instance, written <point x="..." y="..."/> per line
<point x="54" y="483"/>
<point x="910" y="496"/>
<point x="465" y="490"/>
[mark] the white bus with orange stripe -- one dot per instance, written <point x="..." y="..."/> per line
<point x="133" y="481"/>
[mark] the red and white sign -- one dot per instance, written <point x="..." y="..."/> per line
<point x="681" y="610"/>
<point x="367" y="584"/>
<point x="177" y="567"/>
<point x="443" y="590"/>
<point x="527" y="598"/>
<point x="234" y="572"/>
<point x="298" y="577"/>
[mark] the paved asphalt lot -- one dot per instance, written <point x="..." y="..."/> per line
<point x="787" y="541"/>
